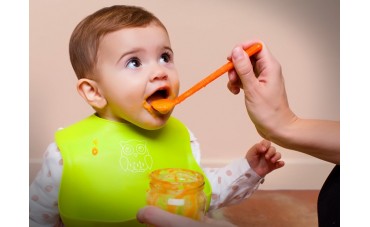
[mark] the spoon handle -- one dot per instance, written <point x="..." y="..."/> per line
<point x="219" y="72"/>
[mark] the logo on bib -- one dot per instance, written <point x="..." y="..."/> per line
<point x="135" y="156"/>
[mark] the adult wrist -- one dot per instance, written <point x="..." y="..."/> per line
<point x="281" y="130"/>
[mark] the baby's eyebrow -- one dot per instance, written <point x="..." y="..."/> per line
<point x="133" y="51"/>
<point x="168" y="48"/>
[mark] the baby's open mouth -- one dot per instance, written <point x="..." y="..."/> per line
<point x="161" y="93"/>
<point x="159" y="96"/>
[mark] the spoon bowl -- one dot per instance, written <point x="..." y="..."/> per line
<point x="163" y="106"/>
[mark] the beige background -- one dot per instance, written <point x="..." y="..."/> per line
<point x="303" y="35"/>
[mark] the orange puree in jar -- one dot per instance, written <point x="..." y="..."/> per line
<point x="179" y="191"/>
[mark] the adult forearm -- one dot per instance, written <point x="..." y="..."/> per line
<point x="318" y="138"/>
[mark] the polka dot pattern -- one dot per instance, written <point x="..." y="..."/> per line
<point x="48" y="188"/>
<point x="43" y="202"/>
<point x="229" y="173"/>
<point x="45" y="216"/>
<point x="35" y="198"/>
<point x="235" y="187"/>
<point x="232" y="183"/>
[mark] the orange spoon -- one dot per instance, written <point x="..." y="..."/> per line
<point x="164" y="106"/>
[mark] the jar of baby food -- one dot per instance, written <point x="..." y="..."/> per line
<point x="179" y="191"/>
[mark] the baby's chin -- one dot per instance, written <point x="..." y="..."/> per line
<point x="154" y="123"/>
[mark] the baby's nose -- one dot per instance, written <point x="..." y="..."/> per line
<point x="159" y="74"/>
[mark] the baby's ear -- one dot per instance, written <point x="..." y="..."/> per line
<point x="90" y="92"/>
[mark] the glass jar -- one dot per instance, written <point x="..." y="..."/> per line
<point x="179" y="191"/>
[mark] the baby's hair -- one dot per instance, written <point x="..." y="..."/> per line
<point x="85" y="39"/>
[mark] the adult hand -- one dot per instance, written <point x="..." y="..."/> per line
<point x="262" y="81"/>
<point x="152" y="215"/>
<point x="266" y="101"/>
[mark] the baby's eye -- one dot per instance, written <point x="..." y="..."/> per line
<point x="166" y="57"/>
<point x="133" y="63"/>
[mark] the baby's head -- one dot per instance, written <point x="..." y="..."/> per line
<point x="122" y="57"/>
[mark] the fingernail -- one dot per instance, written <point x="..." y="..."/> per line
<point x="238" y="53"/>
<point x="139" y="215"/>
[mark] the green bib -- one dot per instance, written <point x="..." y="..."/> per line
<point x="106" y="168"/>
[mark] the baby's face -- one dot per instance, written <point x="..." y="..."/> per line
<point x="134" y="66"/>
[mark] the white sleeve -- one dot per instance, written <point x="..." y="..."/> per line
<point x="44" y="190"/>
<point x="195" y="147"/>
<point x="231" y="183"/>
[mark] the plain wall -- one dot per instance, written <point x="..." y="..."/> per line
<point x="303" y="36"/>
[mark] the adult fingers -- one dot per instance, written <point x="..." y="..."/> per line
<point x="234" y="83"/>
<point x="243" y="66"/>
<point x="160" y="218"/>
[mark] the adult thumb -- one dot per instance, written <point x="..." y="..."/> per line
<point x="243" y="66"/>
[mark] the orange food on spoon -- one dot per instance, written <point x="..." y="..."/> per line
<point x="164" y="106"/>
